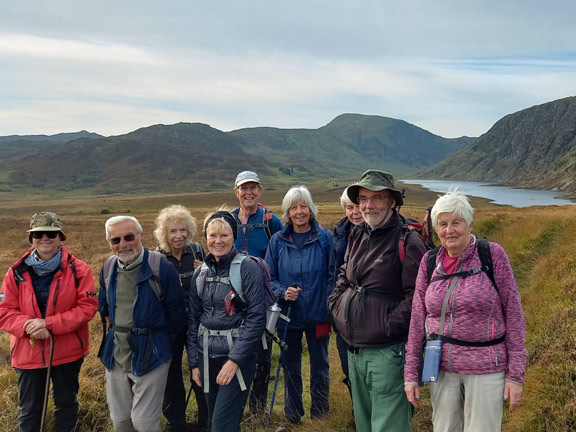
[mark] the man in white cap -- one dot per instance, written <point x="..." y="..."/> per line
<point x="256" y="224"/>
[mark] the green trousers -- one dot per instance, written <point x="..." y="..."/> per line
<point x="377" y="378"/>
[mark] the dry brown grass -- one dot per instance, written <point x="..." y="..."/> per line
<point x="540" y="242"/>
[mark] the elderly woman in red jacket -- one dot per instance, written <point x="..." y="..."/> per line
<point x="46" y="301"/>
<point x="477" y="321"/>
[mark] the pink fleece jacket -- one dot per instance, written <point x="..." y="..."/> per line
<point x="476" y="312"/>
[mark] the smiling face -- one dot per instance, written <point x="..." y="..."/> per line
<point x="248" y="195"/>
<point x="453" y="232"/>
<point x="299" y="214"/>
<point x="177" y="235"/>
<point x="375" y="206"/>
<point x="354" y="214"/>
<point x="219" y="238"/>
<point x="125" y="241"/>
<point x="45" y="246"/>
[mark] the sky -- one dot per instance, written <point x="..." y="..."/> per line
<point x="451" y="67"/>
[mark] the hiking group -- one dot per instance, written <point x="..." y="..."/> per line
<point x="403" y="312"/>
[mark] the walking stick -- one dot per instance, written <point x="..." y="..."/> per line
<point x="283" y="348"/>
<point x="47" y="388"/>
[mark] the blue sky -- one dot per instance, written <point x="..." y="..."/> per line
<point x="110" y="67"/>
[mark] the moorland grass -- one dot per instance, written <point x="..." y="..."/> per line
<point x="539" y="241"/>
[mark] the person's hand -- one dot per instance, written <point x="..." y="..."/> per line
<point x="34" y="328"/>
<point x="413" y="394"/>
<point x="227" y="373"/>
<point x="197" y="263"/>
<point x="512" y="392"/>
<point x="291" y="293"/>
<point x="196" y="376"/>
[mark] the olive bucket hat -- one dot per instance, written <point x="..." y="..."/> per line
<point x="46" y="221"/>
<point x="376" y="180"/>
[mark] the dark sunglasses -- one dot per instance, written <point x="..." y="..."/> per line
<point x="127" y="238"/>
<point x="50" y="234"/>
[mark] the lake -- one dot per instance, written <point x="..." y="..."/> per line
<point x="496" y="193"/>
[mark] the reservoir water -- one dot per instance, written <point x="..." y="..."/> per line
<point x="496" y="193"/>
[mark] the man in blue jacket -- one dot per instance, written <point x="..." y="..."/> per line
<point x="256" y="224"/>
<point x="141" y="306"/>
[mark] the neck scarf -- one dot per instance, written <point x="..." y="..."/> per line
<point x="42" y="268"/>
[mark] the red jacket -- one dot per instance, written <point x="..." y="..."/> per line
<point x="72" y="303"/>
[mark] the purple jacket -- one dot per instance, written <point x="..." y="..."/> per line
<point x="476" y="312"/>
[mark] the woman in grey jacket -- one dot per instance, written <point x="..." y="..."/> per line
<point x="224" y="330"/>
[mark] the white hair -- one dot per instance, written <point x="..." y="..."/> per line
<point x="117" y="219"/>
<point x="294" y="195"/>
<point x="453" y="202"/>
<point x="345" y="199"/>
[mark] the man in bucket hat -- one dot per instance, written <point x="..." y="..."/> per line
<point x="372" y="302"/>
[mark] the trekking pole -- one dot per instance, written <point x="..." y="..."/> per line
<point x="283" y="348"/>
<point x="47" y="388"/>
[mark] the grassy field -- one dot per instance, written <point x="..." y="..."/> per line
<point x="540" y="243"/>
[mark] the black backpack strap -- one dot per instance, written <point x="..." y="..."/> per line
<point x="431" y="262"/>
<point x="486" y="259"/>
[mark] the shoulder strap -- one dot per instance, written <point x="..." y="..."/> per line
<point x="74" y="273"/>
<point x="107" y="270"/>
<point x="267" y="220"/>
<point x="235" y="276"/>
<point x="486" y="259"/>
<point x="154" y="263"/>
<point x="431" y="262"/>
<point x="196" y="250"/>
<point x="201" y="279"/>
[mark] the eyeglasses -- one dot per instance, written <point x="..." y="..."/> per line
<point x="50" y="234"/>
<point x="375" y="198"/>
<point x="127" y="238"/>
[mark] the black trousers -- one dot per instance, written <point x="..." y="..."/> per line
<point x="174" y="404"/>
<point x="31" y="386"/>
<point x="259" y="393"/>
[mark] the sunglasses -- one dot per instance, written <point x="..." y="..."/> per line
<point x="127" y="238"/>
<point x="50" y="234"/>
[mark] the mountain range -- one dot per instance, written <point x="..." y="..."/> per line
<point x="534" y="148"/>
<point x="197" y="157"/>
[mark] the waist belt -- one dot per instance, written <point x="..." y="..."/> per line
<point x="185" y="275"/>
<point x="229" y="335"/>
<point x="447" y="339"/>
<point x="363" y="292"/>
<point x="136" y="331"/>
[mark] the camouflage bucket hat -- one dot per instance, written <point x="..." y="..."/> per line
<point x="375" y="181"/>
<point x="46" y="221"/>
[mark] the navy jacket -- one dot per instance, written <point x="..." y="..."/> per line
<point x="210" y="309"/>
<point x="312" y="268"/>
<point x="341" y="232"/>
<point x="153" y="320"/>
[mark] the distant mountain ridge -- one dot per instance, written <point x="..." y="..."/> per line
<point x="197" y="157"/>
<point x="532" y="148"/>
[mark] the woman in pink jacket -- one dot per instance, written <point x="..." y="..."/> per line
<point x="46" y="301"/>
<point x="483" y="357"/>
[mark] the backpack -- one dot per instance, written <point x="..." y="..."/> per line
<point x="154" y="263"/>
<point x="485" y="260"/>
<point x="266" y="221"/>
<point x="235" y="277"/>
<point x="424" y="228"/>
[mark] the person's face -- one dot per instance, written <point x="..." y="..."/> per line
<point x="45" y="246"/>
<point x="177" y="235"/>
<point x="248" y="194"/>
<point x="299" y="215"/>
<point x="453" y="232"/>
<point x="125" y="241"/>
<point x="375" y="206"/>
<point x="220" y="240"/>
<point x="354" y="214"/>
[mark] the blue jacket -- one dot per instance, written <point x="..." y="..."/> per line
<point x="312" y="268"/>
<point x="341" y="232"/>
<point x="213" y="310"/>
<point x="254" y="239"/>
<point x="153" y="320"/>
